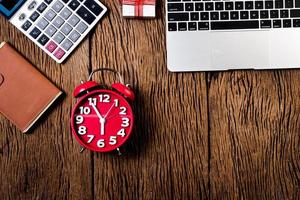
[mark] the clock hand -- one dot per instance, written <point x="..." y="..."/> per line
<point x="97" y="112"/>
<point x="101" y="119"/>
<point x="102" y="123"/>
<point x="109" y="110"/>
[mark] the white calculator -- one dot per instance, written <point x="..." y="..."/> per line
<point x="56" y="26"/>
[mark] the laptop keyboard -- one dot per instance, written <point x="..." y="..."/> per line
<point x="201" y="15"/>
<point x="59" y="25"/>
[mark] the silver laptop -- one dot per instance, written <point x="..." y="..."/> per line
<point x="205" y="35"/>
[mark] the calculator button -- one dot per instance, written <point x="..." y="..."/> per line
<point x="51" y="46"/>
<point x="32" y="5"/>
<point x="50" y="31"/>
<point x="59" y="37"/>
<point x="58" y="22"/>
<point x="65" y="1"/>
<point x="57" y="6"/>
<point x="73" y="20"/>
<point x="66" y="29"/>
<point x="81" y="27"/>
<point x="50" y="14"/>
<point x="48" y="1"/>
<point x="93" y="6"/>
<point x="67" y="44"/>
<point x="86" y="15"/>
<point x="74" y="4"/>
<point x="59" y="53"/>
<point x="43" y="39"/>
<point x="34" y="16"/>
<point x="42" y="24"/>
<point x="22" y="17"/>
<point x="35" y="32"/>
<point x="26" y="25"/>
<point x="74" y="36"/>
<point x="65" y="13"/>
<point x="42" y="7"/>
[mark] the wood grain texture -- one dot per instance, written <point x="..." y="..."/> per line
<point x="226" y="135"/>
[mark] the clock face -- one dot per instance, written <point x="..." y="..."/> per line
<point x="102" y="120"/>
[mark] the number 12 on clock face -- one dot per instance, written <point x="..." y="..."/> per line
<point x="103" y="120"/>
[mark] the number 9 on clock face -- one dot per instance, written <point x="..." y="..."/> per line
<point x="102" y="120"/>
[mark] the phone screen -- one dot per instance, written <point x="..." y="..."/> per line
<point x="9" y="7"/>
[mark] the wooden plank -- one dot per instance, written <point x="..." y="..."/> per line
<point x="255" y="126"/>
<point x="45" y="164"/>
<point x="167" y="157"/>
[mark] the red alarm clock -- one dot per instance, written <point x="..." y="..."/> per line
<point x="102" y="119"/>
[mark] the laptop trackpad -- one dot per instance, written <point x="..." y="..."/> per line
<point x="240" y="49"/>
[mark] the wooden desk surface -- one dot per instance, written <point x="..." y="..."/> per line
<point x="218" y="135"/>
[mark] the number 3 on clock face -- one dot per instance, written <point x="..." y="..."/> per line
<point x="102" y="120"/>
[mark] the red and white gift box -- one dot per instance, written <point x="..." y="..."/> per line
<point x="138" y="8"/>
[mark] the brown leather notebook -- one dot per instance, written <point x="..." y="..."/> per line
<point x="25" y="94"/>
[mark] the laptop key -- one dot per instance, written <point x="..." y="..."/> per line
<point x="297" y="3"/>
<point x="199" y="6"/>
<point x="244" y="14"/>
<point x="172" y="26"/>
<point x="254" y="14"/>
<point x="239" y="5"/>
<point x="284" y="14"/>
<point x="249" y="5"/>
<point x="175" y="7"/>
<point x="224" y="15"/>
<point x="296" y="23"/>
<point x="192" y="26"/>
<point x="259" y="4"/>
<point x="203" y="26"/>
<point x="274" y="14"/>
<point x="234" y="15"/>
<point x="295" y="13"/>
<point x="264" y="14"/>
<point x="35" y="32"/>
<point x="276" y="23"/>
<point x="279" y="3"/>
<point x="214" y="16"/>
<point x="189" y="7"/>
<point x="268" y="4"/>
<point x="43" y="40"/>
<point x="178" y="16"/>
<point x="93" y="6"/>
<point x="289" y="3"/>
<point x="265" y="24"/>
<point x="204" y="15"/>
<point x="209" y="6"/>
<point x="225" y="25"/>
<point x="228" y="5"/>
<point x="287" y="23"/>
<point x="194" y="16"/>
<point x="182" y="26"/>
<point x="219" y="6"/>
<point x="86" y="15"/>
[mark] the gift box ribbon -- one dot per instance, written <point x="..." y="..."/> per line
<point x="138" y="5"/>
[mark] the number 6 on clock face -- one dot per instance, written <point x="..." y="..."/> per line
<point x="102" y="120"/>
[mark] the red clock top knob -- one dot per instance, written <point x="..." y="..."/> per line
<point x="124" y="90"/>
<point x="83" y="88"/>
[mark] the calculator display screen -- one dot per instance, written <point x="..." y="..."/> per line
<point x="9" y="7"/>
